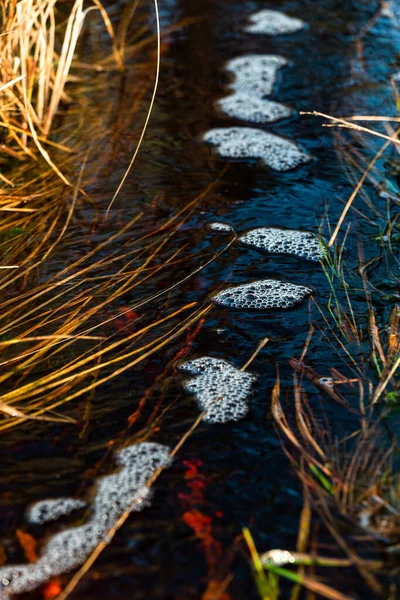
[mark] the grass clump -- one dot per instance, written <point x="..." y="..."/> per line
<point x="62" y="328"/>
<point x="350" y="484"/>
<point x="38" y="44"/>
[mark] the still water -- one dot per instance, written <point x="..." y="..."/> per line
<point x="234" y="475"/>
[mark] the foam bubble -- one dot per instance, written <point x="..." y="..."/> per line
<point x="245" y="142"/>
<point x="255" y="74"/>
<point x="272" y="22"/>
<point x="247" y="107"/>
<point x="264" y="294"/>
<point x="219" y="227"/>
<point x="51" y="510"/>
<point x="115" y="494"/>
<point x="327" y="381"/>
<point x="272" y="239"/>
<point x="221" y="390"/>
<point x="278" y="558"/>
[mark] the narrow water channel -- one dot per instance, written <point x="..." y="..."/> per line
<point x="227" y="475"/>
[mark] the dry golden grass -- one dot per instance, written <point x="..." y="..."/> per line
<point x="346" y="484"/>
<point x="351" y="124"/>
<point x="350" y="483"/>
<point x="37" y="48"/>
<point x="56" y="331"/>
<point x="54" y="317"/>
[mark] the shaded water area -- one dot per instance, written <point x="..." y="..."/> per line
<point x="233" y="475"/>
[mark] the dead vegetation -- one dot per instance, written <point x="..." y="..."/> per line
<point x="350" y="486"/>
<point x="55" y="144"/>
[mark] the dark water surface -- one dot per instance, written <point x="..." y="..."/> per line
<point x="244" y="478"/>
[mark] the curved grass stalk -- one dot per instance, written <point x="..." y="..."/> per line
<point x="153" y="97"/>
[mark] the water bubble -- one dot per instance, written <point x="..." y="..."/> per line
<point x="221" y="390"/>
<point x="255" y="74"/>
<point x="245" y="142"/>
<point x="265" y="294"/>
<point x="327" y="381"/>
<point x="219" y="227"/>
<point x="272" y="22"/>
<point x="51" y="510"/>
<point x="114" y="495"/>
<point x="245" y="106"/>
<point x="278" y="558"/>
<point x="284" y="241"/>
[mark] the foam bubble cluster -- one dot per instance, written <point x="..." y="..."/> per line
<point x="272" y="239"/>
<point x="51" y="510"/>
<point x="255" y="74"/>
<point x="247" y="107"/>
<point x="272" y="22"/>
<point x="219" y="227"/>
<point x="264" y="294"/>
<point x="221" y="390"/>
<point x="115" y="494"/>
<point x="327" y="381"/>
<point x="278" y="558"/>
<point x="245" y="142"/>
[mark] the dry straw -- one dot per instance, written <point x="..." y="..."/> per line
<point x="36" y="67"/>
<point x="45" y="322"/>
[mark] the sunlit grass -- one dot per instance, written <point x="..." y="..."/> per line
<point x="71" y="305"/>
<point x="57" y="335"/>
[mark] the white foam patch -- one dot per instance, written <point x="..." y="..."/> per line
<point x="264" y="294"/>
<point x="221" y="390"/>
<point x="327" y="381"/>
<point x="255" y="74"/>
<point x="219" y="227"/>
<point x="51" y="510"/>
<point x="115" y="494"/>
<point x="245" y="142"/>
<point x="278" y="558"/>
<point x="247" y="107"/>
<point x="272" y="22"/>
<point x="282" y="241"/>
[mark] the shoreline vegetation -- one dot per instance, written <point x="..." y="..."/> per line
<point x="351" y="486"/>
<point x="56" y="145"/>
<point x="54" y="325"/>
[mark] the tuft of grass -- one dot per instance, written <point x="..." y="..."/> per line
<point x="349" y="481"/>
<point x="60" y="333"/>
<point x="268" y="570"/>
<point x="38" y="45"/>
<point x="349" y="484"/>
